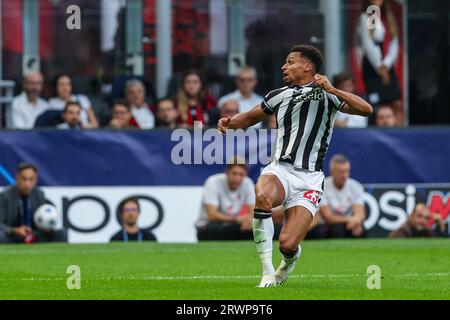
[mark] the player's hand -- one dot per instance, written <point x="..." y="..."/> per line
<point x="323" y="82"/>
<point x="223" y="124"/>
<point x="22" y="231"/>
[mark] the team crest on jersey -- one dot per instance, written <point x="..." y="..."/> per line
<point x="316" y="94"/>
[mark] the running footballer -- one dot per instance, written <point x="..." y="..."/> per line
<point x="305" y="110"/>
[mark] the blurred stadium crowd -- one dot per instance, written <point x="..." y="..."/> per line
<point x="135" y="109"/>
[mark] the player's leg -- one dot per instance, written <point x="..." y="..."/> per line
<point x="297" y="222"/>
<point x="269" y="193"/>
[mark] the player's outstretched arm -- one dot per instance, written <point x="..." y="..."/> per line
<point x="242" y="120"/>
<point x="353" y="103"/>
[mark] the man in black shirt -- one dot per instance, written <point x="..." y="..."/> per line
<point x="17" y="206"/>
<point x="130" y="211"/>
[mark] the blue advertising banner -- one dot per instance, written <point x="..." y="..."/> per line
<point x="187" y="158"/>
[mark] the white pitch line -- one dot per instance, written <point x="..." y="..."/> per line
<point x="214" y="277"/>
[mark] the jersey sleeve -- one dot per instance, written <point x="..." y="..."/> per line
<point x="335" y="101"/>
<point x="210" y="194"/>
<point x="272" y="101"/>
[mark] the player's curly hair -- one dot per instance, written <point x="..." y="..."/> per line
<point x="311" y="53"/>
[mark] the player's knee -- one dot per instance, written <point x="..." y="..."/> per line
<point x="263" y="200"/>
<point x="288" y="245"/>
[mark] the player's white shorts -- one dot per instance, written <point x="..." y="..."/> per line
<point x="302" y="187"/>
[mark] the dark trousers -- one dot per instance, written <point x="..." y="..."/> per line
<point x="335" y="231"/>
<point x="218" y="230"/>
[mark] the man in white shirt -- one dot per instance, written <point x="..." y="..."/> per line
<point x="342" y="205"/>
<point x="143" y="117"/>
<point x="246" y="82"/>
<point x="227" y="205"/>
<point x="27" y="106"/>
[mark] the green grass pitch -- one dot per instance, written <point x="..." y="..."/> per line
<point x="410" y="269"/>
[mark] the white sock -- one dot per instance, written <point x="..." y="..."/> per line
<point x="263" y="231"/>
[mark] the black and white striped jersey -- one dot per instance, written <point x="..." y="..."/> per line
<point x="305" y="119"/>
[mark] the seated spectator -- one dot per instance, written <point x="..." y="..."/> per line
<point x="342" y="205"/>
<point x="385" y="116"/>
<point x="18" y="204"/>
<point x="346" y="83"/>
<point x="227" y="205"/>
<point x="121" y="115"/>
<point x="49" y="119"/>
<point x="245" y="95"/>
<point x="166" y="114"/>
<point x="417" y="225"/>
<point x="142" y="115"/>
<point x="63" y="89"/>
<point x="129" y="214"/>
<point x="229" y="109"/>
<point x="27" y="106"/>
<point x="192" y="101"/>
<point x="71" y="117"/>
<point x="118" y="88"/>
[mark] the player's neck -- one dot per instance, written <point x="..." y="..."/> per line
<point x="304" y="82"/>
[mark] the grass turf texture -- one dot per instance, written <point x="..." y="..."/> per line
<point x="411" y="269"/>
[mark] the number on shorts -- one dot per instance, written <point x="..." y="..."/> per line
<point x="312" y="195"/>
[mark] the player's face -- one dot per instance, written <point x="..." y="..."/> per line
<point x="130" y="213"/>
<point x="340" y="173"/>
<point x="295" y="68"/>
<point x="235" y="176"/>
<point x="26" y="181"/>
